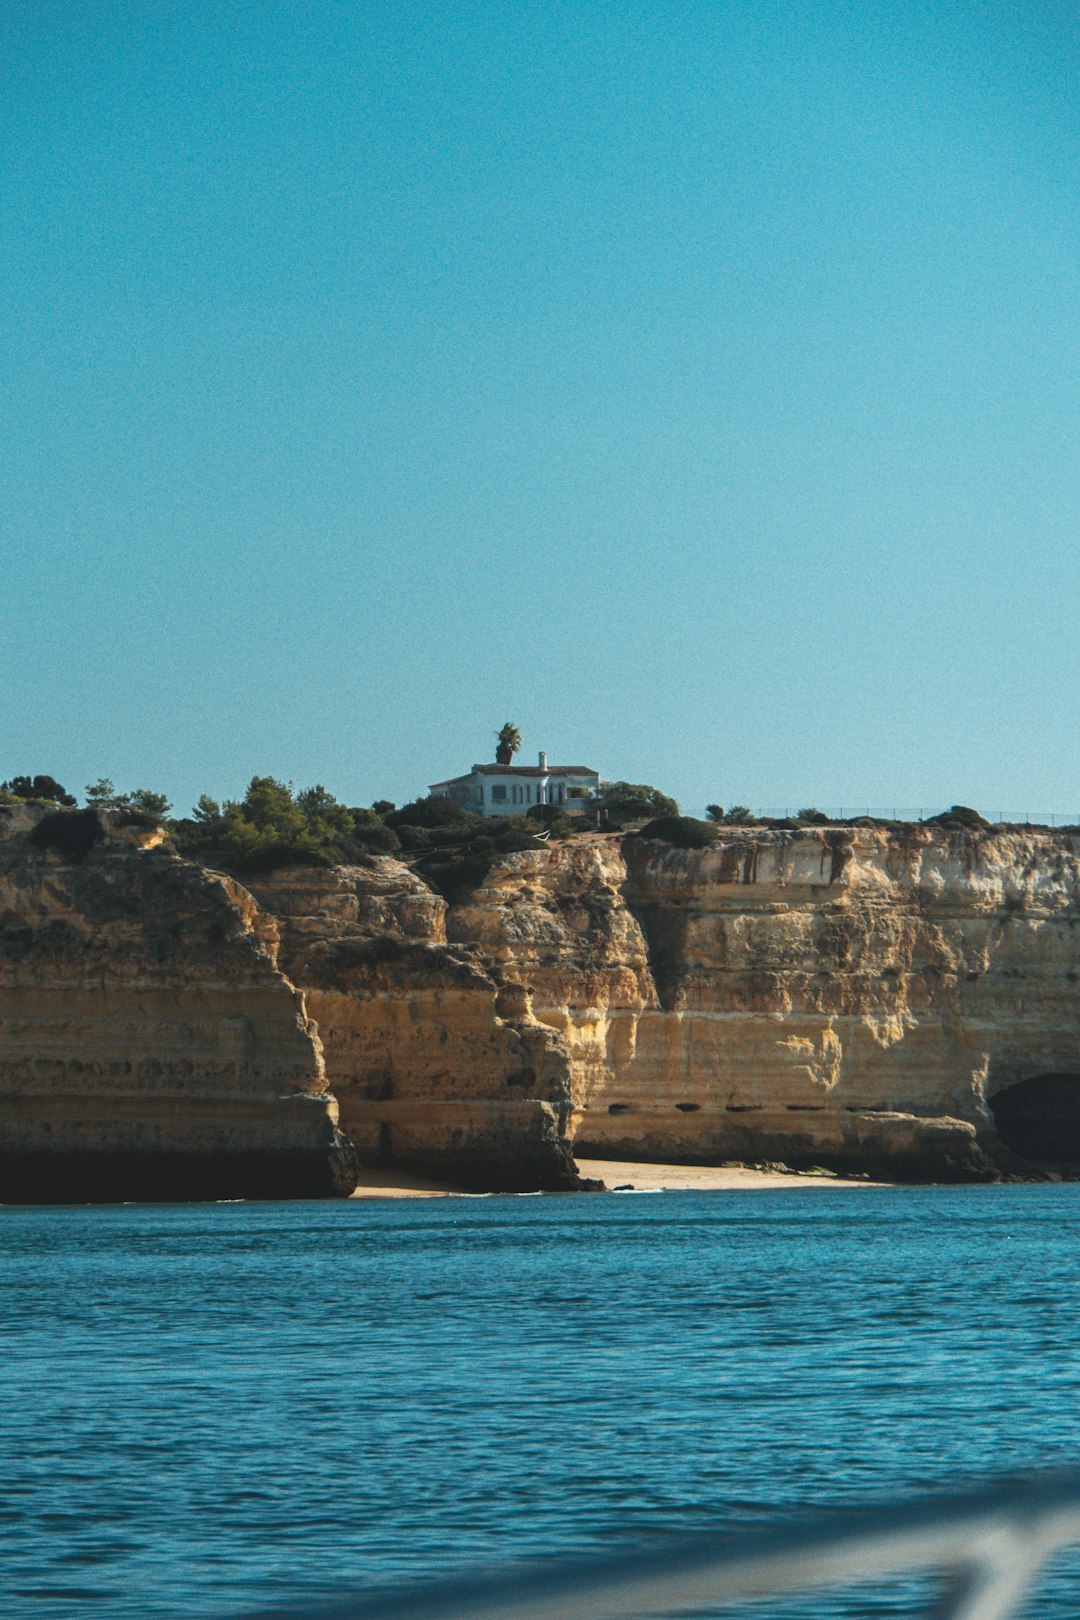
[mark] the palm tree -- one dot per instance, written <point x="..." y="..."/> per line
<point x="509" y="743"/>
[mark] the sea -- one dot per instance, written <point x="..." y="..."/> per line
<point x="210" y="1409"/>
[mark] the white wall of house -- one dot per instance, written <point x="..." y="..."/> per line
<point x="513" y="793"/>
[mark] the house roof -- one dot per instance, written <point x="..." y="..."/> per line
<point x="519" y="770"/>
<point x="533" y="770"/>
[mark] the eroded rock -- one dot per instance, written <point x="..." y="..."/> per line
<point x="150" y="1046"/>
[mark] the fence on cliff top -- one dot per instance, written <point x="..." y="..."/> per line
<point x="1018" y="818"/>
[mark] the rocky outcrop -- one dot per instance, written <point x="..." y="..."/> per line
<point x="433" y="1053"/>
<point x="901" y="1001"/>
<point x="556" y="921"/>
<point x="863" y="998"/>
<point x="149" y="1045"/>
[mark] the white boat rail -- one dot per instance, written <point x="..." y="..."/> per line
<point x="988" y="1546"/>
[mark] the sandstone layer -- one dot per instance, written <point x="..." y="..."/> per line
<point x="898" y="1001"/>
<point x="149" y="1045"/>
<point x="434" y="1055"/>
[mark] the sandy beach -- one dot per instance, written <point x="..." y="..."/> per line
<point x="396" y="1184"/>
<point x="620" y="1176"/>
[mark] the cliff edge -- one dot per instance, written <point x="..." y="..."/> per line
<point x="151" y="1048"/>
<point x="438" y="1063"/>
<point x="898" y="1001"/>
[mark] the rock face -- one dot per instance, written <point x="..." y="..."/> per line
<point x="149" y="1045"/>
<point x="435" y="1057"/>
<point x="897" y="1001"/>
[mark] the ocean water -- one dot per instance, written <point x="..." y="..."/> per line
<point x="205" y="1409"/>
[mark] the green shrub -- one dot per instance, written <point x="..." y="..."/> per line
<point x="552" y="817"/>
<point x="271" y="827"/>
<point x="45" y="789"/>
<point x="413" y="838"/>
<point x="682" y="832"/>
<point x="431" y="812"/>
<point x="634" y="801"/>
<point x="456" y="871"/>
<point x="133" y="816"/>
<point x="379" y="839"/>
<point x="101" y="795"/>
<point x="958" y="816"/>
<point x="815" y="818"/>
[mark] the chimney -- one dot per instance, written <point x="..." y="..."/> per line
<point x="543" y="761"/>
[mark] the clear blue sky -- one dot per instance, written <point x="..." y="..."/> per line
<point x="695" y="385"/>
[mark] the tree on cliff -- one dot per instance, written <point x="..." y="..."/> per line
<point x="433" y="811"/>
<point x="634" y="801"/>
<point x="102" y="795"/>
<point x="682" y="832"/>
<point x="509" y="743"/>
<point x="272" y="826"/>
<point x="38" y="787"/>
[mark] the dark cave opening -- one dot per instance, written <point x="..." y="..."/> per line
<point x="1040" y="1118"/>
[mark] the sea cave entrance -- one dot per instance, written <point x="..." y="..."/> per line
<point x="1040" y="1118"/>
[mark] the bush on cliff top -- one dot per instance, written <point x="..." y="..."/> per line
<point x="959" y="816"/>
<point x="35" y="789"/>
<point x="681" y="832"/>
<point x="633" y="801"/>
<point x="553" y="818"/>
<point x="432" y="812"/>
<point x="272" y="826"/>
<point x="454" y="870"/>
<point x="738" y="816"/>
<point x="148" y="807"/>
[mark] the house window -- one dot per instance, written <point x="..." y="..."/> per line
<point x="498" y="794"/>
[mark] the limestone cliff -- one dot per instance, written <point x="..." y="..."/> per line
<point x="149" y="1045"/>
<point x="437" y="1063"/>
<point x="894" y="1000"/>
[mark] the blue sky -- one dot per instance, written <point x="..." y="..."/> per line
<point x="694" y="385"/>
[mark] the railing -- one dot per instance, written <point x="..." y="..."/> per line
<point x="989" y="1546"/>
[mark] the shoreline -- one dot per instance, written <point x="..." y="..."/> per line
<point x="620" y="1175"/>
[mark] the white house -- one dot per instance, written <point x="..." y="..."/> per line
<point x="509" y="790"/>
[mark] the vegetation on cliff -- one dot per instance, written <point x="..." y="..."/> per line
<point x="273" y="825"/>
<point x="634" y="801"/>
<point x="35" y="790"/>
<point x="276" y="825"/>
<point x="681" y="832"/>
<point x="453" y="849"/>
